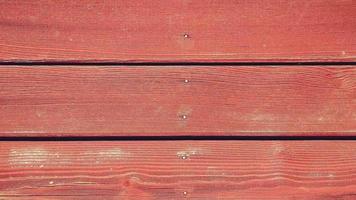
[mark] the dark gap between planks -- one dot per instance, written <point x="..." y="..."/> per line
<point x="93" y="63"/>
<point x="179" y="138"/>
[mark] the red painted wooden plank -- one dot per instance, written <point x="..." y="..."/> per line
<point x="279" y="170"/>
<point x="171" y="31"/>
<point x="176" y="100"/>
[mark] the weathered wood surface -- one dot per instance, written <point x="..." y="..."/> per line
<point x="283" y="170"/>
<point x="175" y="100"/>
<point x="177" y="31"/>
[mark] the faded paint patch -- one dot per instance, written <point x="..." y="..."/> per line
<point x="185" y="110"/>
<point x="35" y="157"/>
<point x="258" y="116"/>
<point x="39" y="157"/>
<point x="28" y="156"/>
<point x="104" y="156"/>
<point x="322" y="175"/>
<point x="26" y="131"/>
<point x="184" y="115"/>
<point x="277" y="148"/>
<point x="185" y="154"/>
<point x="215" y="171"/>
<point x="320" y="119"/>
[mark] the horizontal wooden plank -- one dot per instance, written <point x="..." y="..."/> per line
<point x="178" y="31"/>
<point x="176" y="100"/>
<point x="283" y="170"/>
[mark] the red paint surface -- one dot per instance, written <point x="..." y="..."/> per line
<point x="176" y="100"/>
<point x="153" y="31"/>
<point x="249" y="170"/>
<point x="205" y="100"/>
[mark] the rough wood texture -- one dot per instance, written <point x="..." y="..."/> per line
<point x="283" y="170"/>
<point x="171" y="30"/>
<point x="196" y="100"/>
